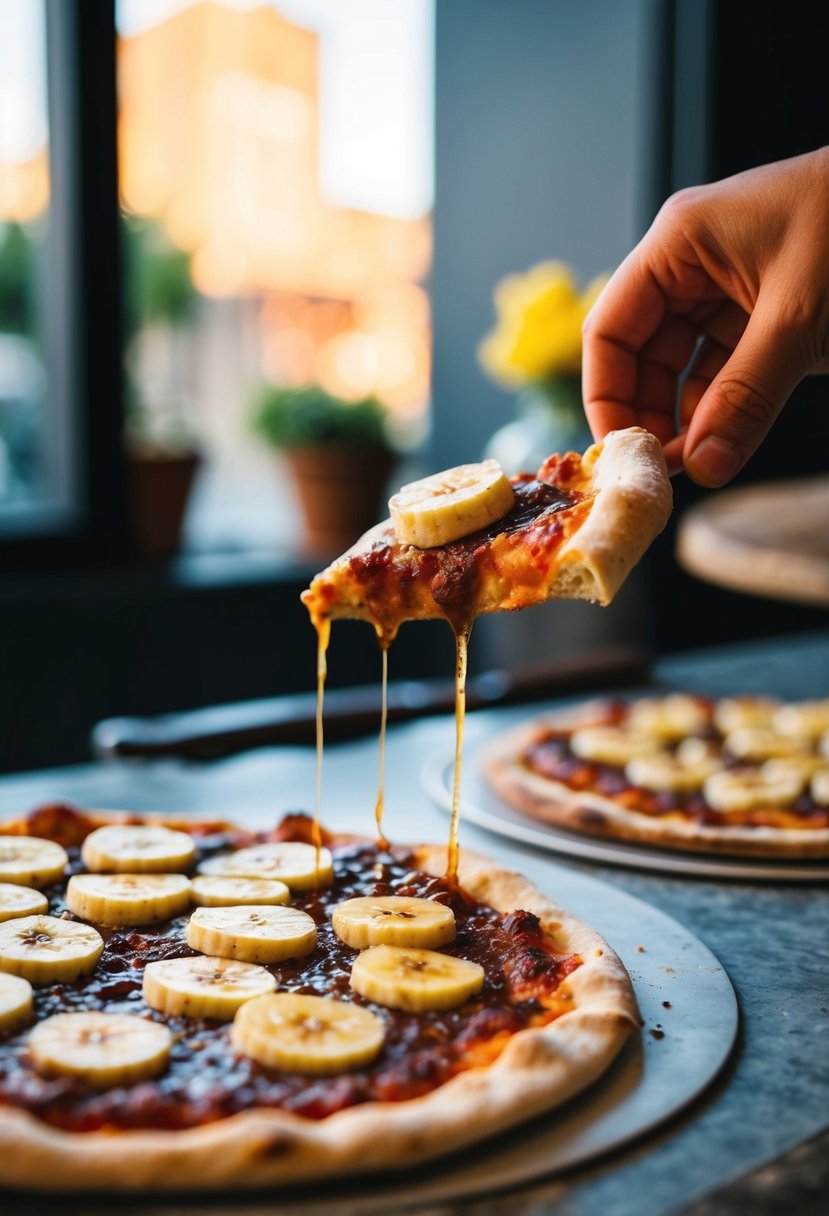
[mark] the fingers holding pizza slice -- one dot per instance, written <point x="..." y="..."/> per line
<point x="468" y="542"/>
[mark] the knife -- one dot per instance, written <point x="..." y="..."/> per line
<point x="224" y="730"/>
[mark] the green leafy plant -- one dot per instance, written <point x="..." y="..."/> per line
<point x="310" y="417"/>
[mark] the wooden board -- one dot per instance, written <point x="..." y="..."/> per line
<point x="770" y="540"/>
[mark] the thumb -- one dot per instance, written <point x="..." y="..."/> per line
<point x="741" y="403"/>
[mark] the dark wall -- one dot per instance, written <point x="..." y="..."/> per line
<point x="76" y="649"/>
<point x="751" y="85"/>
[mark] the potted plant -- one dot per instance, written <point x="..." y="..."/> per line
<point x="162" y="456"/>
<point x="339" y="454"/>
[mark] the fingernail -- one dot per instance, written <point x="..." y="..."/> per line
<point x="713" y="462"/>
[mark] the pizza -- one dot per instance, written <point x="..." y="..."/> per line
<point x="188" y="1005"/>
<point x="573" y="530"/>
<point x="743" y="775"/>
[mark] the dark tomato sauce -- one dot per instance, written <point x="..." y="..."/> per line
<point x="207" y="1079"/>
<point x="451" y="571"/>
<point x="552" y="757"/>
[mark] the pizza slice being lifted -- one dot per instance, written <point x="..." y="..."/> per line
<point x="483" y="544"/>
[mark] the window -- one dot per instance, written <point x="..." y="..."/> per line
<point x="34" y="472"/>
<point x="276" y="186"/>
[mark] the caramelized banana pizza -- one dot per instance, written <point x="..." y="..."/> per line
<point x="191" y="1005"/>
<point x="742" y="775"/>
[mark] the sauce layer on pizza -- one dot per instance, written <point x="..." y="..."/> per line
<point x="205" y="1078"/>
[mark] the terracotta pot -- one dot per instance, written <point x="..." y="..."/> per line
<point x="159" y="487"/>
<point x="341" y="491"/>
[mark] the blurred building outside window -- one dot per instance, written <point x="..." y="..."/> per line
<point x="33" y="471"/>
<point x="276" y="185"/>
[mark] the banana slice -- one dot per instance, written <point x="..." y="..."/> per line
<point x="308" y="1034"/>
<point x="47" y="949"/>
<point x="291" y="862"/>
<point x="694" y="751"/>
<point x="393" y="920"/>
<point x="802" y="766"/>
<point x="128" y="899"/>
<point x="15" y="1002"/>
<point x="255" y="934"/>
<point x="669" y="773"/>
<point x="219" y="891"/>
<point x="103" y="1049"/>
<point x="31" y="861"/>
<point x="137" y="849"/>
<point x="204" y="987"/>
<point x="809" y="718"/>
<point x="749" y="789"/>
<point x="451" y="504"/>
<point x="819" y="787"/>
<point x="20" y="901"/>
<point x="733" y="713"/>
<point x="762" y="743"/>
<point x="612" y="744"/>
<point x="669" y="718"/>
<point x="414" y="980"/>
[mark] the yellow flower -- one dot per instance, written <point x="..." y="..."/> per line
<point x="538" y="331"/>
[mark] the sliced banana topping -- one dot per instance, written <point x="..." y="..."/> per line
<point x="612" y="744"/>
<point x="695" y="751"/>
<point x="393" y="920"/>
<point x="291" y="862"/>
<point x="761" y="743"/>
<point x="204" y="987"/>
<point x="414" y="980"/>
<point x="669" y="718"/>
<point x="809" y="718"/>
<point x="451" y="504"/>
<point x="733" y="713"/>
<point x="669" y="773"/>
<point x="15" y="1002"/>
<point x="749" y="789"/>
<point x="128" y="899"/>
<point x="802" y="766"/>
<point x="103" y="1049"/>
<point x="819" y="787"/>
<point x="31" y="861"/>
<point x="308" y="1034"/>
<point x="255" y="934"/>
<point x="137" y="849"/>
<point x="228" y="891"/>
<point x="20" y="901"/>
<point x="47" y="949"/>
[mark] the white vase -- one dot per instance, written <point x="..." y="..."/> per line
<point x="550" y="419"/>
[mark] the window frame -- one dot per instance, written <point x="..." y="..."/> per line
<point x="83" y="324"/>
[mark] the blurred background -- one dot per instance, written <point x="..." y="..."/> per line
<point x="247" y="262"/>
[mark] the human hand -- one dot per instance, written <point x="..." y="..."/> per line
<point x="738" y="272"/>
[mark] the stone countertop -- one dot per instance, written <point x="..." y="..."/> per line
<point x="772" y="939"/>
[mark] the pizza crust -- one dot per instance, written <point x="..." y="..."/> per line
<point x="585" y="811"/>
<point x="632" y="505"/>
<point x="538" y="1070"/>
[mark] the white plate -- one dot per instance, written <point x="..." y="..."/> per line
<point x="480" y="805"/>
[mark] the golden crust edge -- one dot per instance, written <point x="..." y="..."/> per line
<point x="538" y="1071"/>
